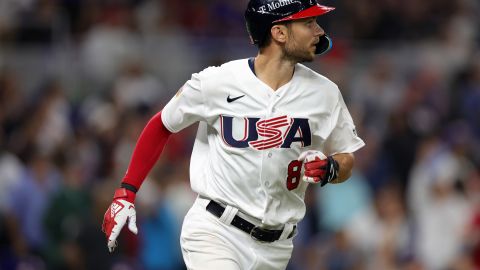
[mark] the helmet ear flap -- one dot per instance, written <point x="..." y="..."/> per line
<point x="258" y="25"/>
<point x="324" y="45"/>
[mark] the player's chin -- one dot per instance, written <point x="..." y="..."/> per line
<point x="310" y="55"/>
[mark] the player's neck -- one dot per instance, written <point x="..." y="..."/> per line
<point x="273" y="71"/>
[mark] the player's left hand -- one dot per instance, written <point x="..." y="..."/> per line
<point x="318" y="167"/>
<point x="121" y="210"/>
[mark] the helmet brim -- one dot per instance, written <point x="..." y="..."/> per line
<point x="313" y="11"/>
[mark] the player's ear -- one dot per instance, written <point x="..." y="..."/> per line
<point x="279" y="33"/>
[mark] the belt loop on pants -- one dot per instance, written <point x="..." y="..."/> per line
<point x="229" y="215"/>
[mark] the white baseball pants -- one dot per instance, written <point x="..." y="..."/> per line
<point x="211" y="243"/>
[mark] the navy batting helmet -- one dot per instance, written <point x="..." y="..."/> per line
<point x="261" y="15"/>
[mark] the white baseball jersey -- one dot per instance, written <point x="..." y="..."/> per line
<point x="250" y="136"/>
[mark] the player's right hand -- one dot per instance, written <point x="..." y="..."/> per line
<point x="318" y="167"/>
<point x="121" y="210"/>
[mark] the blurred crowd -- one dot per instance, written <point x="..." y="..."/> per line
<point x="80" y="78"/>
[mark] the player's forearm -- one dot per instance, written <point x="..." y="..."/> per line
<point x="149" y="146"/>
<point x="345" y="162"/>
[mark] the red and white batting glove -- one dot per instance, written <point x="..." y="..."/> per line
<point x="121" y="210"/>
<point x="318" y="167"/>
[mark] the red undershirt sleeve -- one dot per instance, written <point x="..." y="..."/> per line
<point x="149" y="146"/>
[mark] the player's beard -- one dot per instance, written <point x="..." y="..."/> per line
<point x="297" y="53"/>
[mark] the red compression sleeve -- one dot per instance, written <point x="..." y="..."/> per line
<point x="149" y="146"/>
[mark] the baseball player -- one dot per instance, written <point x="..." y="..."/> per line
<point x="268" y="127"/>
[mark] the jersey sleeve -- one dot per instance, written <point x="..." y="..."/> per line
<point x="343" y="138"/>
<point x="186" y="107"/>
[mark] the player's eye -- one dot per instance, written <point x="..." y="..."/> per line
<point x="310" y="22"/>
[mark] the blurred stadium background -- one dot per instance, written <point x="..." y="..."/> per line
<point x="80" y="78"/>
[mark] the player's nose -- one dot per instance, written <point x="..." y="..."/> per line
<point x="319" y="30"/>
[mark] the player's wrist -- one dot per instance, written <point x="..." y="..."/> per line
<point x="333" y="169"/>
<point x="124" y="194"/>
<point x="130" y="187"/>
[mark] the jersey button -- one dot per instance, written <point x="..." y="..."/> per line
<point x="270" y="154"/>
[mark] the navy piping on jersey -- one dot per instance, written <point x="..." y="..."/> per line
<point x="251" y="63"/>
